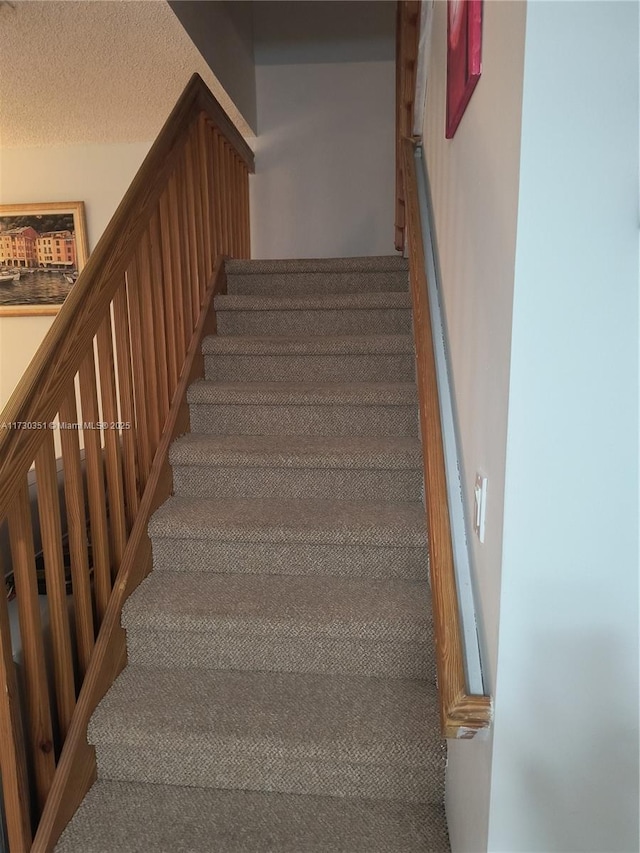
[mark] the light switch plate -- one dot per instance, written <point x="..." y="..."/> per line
<point x="480" y="505"/>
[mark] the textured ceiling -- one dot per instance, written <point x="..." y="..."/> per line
<point x="93" y="71"/>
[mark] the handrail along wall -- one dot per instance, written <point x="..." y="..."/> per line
<point x="118" y="356"/>
<point x="462" y="713"/>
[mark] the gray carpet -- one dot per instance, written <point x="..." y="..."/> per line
<point x="280" y="690"/>
<point x="348" y="468"/>
<point x="363" y="358"/>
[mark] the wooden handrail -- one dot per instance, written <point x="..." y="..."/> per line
<point x="37" y="395"/>
<point x="114" y="368"/>
<point x="77" y="768"/>
<point x="461" y="714"/>
<point x="407" y="42"/>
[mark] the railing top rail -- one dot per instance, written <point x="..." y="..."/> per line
<point x="39" y="393"/>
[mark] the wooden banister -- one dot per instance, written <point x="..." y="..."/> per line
<point x="57" y="360"/>
<point x="461" y="714"/>
<point x="407" y="42"/>
<point x="77" y="768"/>
<point x="112" y="372"/>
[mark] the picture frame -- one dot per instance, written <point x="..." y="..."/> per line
<point x="464" y="58"/>
<point x="43" y="248"/>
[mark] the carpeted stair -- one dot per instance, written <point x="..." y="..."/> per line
<point x="280" y="688"/>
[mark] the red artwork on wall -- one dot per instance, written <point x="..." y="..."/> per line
<point x="464" y="57"/>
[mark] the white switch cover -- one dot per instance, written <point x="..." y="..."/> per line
<point x="479" y="505"/>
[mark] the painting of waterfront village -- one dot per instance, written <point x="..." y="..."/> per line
<point x="43" y="248"/>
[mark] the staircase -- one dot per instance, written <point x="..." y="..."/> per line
<point x="280" y="687"/>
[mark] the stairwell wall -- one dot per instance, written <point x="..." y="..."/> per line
<point x="474" y="186"/>
<point x="99" y="175"/>
<point x="223" y="33"/>
<point x="325" y="77"/>
<point x="536" y="208"/>
<point x="565" y="759"/>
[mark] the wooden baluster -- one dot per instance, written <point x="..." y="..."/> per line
<point x="196" y="286"/>
<point x="170" y="320"/>
<point x="13" y="761"/>
<point x="237" y="203"/>
<point x="51" y="532"/>
<point x="228" y="176"/>
<point x="231" y="172"/>
<point x="246" y="247"/>
<point x="232" y="201"/>
<point x="127" y="406"/>
<point x="95" y="485"/>
<point x="35" y="673"/>
<point x="205" y="189"/>
<point x="145" y="454"/>
<point x="218" y="216"/>
<point x="156" y="293"/>
<point x="144" y="293"/>
<point x="189" y="276"/>
<point x="174" y="224"/>
<point x="77" y="531"/>
<point x="222" y="191"/>
<point x="195" y="182"/>
<point x="239" y="184"/>
<point x="112" y="448"/>
<point x="217" y="193"/>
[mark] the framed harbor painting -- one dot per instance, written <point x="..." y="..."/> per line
<point x="43" y="247"/>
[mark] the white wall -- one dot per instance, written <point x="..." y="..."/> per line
<point x="543" y="326"/>
<point x="324" y="182"/>
<point x="99" y="175"/>
<point x="565" y="766"/>
<point x="474" y="184"/>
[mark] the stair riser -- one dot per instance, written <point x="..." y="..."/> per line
<point x="234" y="651"/>
<point x="280" y="266"/>
<point x="196" y="763"/>
<point x="264" y="558"/>
<point x="310" y="368"/>
<point x="318" y="420"/>
<point x="356" y="484"/>
<point x="346" y="321"/>
<point x="273" y="284"/>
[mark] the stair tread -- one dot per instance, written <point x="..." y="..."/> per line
<point x="309" y="716"/>
<point x="348" y="452"/>
<point x="376" y="263"/>
<point x="313" y="301"/>
<point x="307" y="345"/>
<point x="303" y="393"/>
<point x="311" y="521"/>
<point x="296" y="607"/>
<point x="135" y="818"/>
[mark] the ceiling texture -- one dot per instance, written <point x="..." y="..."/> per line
<point x="94" y="71"/>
